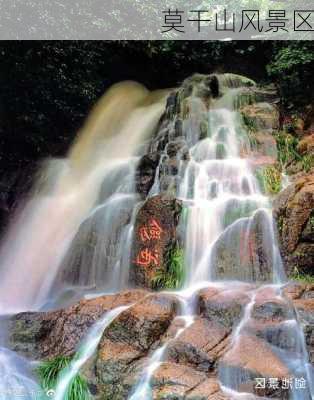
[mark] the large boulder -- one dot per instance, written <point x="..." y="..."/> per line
<point x="294" y="213"/>
<point x="263" y="116"/>
<point x="145" y="173"/>
<point x="48" y="334"/>
<point x="244" y="250"/>
<point x="200" y="345"/>
<point x="250" y="358"/>
<point x="224" y="307"/>
<point x="126" y="343"/>
<point x="155" y="233"/>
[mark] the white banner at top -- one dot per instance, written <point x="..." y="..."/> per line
<point x="157" y="19"/>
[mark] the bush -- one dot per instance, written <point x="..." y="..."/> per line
<point x="292" y="68"/>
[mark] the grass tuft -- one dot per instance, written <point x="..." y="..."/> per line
<point x="49" y="374"/>
<point x="287" y="149"/>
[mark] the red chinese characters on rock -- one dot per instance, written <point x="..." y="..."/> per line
<point x="149" y="233"/>
<point x="147" y="257"/>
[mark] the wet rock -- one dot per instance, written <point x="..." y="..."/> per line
<point x="265" y="145"/>
<point x="115" y="361"/>
<point x="154" y="234"/>
<point x="94" y="246"/>
<point x="174" y="381"/>
<point x="123" y="352"/>
<point x="225" y="307"/>
<point x="178" y="149"/>
<point x="142" y="324"/>
<point x="294" y="290"/>
<point x="271" y="311"/>
<point x="251" y="358"/>
<point x="261" y="116"/>
<point x="305" y="310"/>
<point x="302" y="296"/>
<point x="145" y="173"/>
<point x="48" y="334"/>
<point x="294" y="211"/>
<point x="209" y="389"/>
<point x="242" y="251"/>
<point x="200" y="345"/>
<point x="203" y="86"/>
<point x="266" y="94"/>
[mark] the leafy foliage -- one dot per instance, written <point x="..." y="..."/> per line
<point x="172" y="276"/>
<point x="292" y="67"/>
<point x="287" y="149"/>
<point x="307" y="162"/>
<point x="49" y="374"/>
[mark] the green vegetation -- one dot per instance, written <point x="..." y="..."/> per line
<point x="49" y="373"/>
<point x="288" y="154"/>
<point x="280" y="223"/>
<point x="250" y="123"/>
<point x="172" y="275"/>
<point x="300" y="277"/>
<point x="287" y="149"/>
<point x="292" y="68"/>
<point x="307" y="162"/>
<point x="269" y="179"/>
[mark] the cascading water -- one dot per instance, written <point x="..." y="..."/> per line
<point x="46" y="229"/>
<point x="224" y="208"/>
<point x="227" y="228"/>
<point x="45" y="237"/>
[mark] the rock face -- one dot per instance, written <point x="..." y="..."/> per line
<point x="154" y="234"/>
<point x="242" y="251"/>
<point x="294" y="212"/>
<point x="127" y="341"/>
<point x="262" y="116"/>
<point x="46" y="335"/>
<point x="145" y="173"/>
<point x="195" y="355"/>
<point x="302" y="296"/>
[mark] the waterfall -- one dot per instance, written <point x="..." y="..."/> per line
<point x="224" y="209"/>
<point x="76" y="231"/>
<point x="60" y="212"/>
